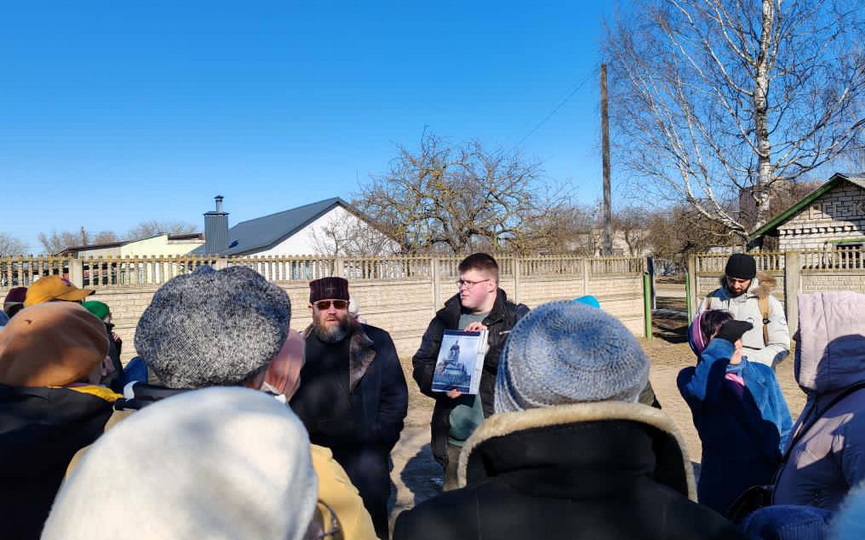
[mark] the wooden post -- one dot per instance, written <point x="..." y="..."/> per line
<point x="792" y="287"/>
<point x="436" y="283"/>
<point x="691" y="280"/>
<point x="647" y="305"/>
<point x="605" y="151"/>
<point x="517" y="280"/>
<point x="76" y="272"/>
<point x="587" y="268"/>
<point x="220" y="263"/>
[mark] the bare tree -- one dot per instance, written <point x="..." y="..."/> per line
<point x="352" y="237"/>
<point x="556" y="226"/>
<point x="9" y="245"/>
<point x="457" y="198"/>
<point x="153" y="227"/>
<point x="716" y="98"/>
<point x="681" y="230"/>
<point x="633" y="224"/>
<point x="55" y="242"/>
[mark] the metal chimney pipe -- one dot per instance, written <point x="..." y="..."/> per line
<point x="216" y="229"/>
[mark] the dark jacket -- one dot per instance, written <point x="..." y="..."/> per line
<point x="40" y="430"/>
<point x="379" y="403"/>
<point x="607" y="470"/>
<point x="743" y="429"/>
<point x="499" y="322"/>
<point x="378" y="391"/>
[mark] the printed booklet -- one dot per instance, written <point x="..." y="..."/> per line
<point x="460" y="361"/>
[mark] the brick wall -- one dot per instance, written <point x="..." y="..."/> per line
<point x="813" y="282"/>
<point x="837" y="215"/>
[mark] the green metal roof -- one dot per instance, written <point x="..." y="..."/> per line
<point x="781" y="218"/>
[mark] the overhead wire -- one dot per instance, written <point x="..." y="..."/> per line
<point x="558" y="107"/>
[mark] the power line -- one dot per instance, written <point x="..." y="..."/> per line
<point x="556" y="109"/>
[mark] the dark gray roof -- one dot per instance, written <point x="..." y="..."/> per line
<point x="266" y="232"/>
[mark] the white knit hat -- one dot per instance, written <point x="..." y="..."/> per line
<point x="218" y="463"/>
<point x="568" y="352"/>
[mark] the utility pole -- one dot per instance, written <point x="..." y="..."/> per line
<point x="605" y="150"/>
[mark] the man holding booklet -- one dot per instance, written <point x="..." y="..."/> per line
<point x="480" y="305"/>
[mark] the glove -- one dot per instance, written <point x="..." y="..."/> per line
<point x="733" y="331"/>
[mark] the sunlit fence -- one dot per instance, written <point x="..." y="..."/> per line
<point x="22" y="271"/>
<point x="119" y="272"/>
<point x="135" y="271"/>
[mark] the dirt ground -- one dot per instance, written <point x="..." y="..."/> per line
<point x="415" y="474"/>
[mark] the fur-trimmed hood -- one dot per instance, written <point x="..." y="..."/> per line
<point x="761" y="286"/>
<point x="673" y="466"/>
<point x="361" y="352"/>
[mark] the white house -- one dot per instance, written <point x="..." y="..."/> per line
<point x="328" y="227"/>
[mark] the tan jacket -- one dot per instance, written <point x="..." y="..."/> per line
<point x="337" y="491"/>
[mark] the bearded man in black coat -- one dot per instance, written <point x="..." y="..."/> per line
<point x="353" y="395"/>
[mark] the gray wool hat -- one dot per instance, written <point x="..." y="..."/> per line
<point x="567" y="352"/>
<point x="213" y="327"/>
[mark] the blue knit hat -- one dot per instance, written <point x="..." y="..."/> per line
<point x="567" y="352"/>
<point x="589" y="300"/>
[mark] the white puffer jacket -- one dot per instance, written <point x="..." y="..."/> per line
<point x="746" y="307"/>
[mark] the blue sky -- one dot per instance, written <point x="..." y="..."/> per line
<point x="112" y="113"/>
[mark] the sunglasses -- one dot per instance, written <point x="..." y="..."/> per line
<point x="325" y="304"/>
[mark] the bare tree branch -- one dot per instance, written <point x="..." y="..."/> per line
<point x="713" y="98"/>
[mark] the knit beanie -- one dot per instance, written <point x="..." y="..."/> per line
<point x="213" y="327"/>
<point x="221" y="463"/>
<point x="589" y="300"/>
<point x="567" y="352"/>
<point x="14" y="297"/>
<point x="741" y="266"/>
<point x="100" y="309"/>
<point x="51" y="344"/>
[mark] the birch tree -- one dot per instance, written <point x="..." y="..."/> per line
<point x="712" y="100"/>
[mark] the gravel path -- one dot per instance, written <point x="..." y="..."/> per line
<point x="414" y="470"/>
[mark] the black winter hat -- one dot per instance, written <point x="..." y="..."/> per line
<point x="741" y="266"/>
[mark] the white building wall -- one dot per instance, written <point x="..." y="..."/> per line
<point x="100" y="252"/>
<point x="159" y="246"/>
<point x="313" y="240"/>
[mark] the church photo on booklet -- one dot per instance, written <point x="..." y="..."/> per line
<point x="460" y="361"/>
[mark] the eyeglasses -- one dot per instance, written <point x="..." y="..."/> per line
<point x="313" y="533"/>
<point x="337" y="304"/>
<point x="469" y="284"/>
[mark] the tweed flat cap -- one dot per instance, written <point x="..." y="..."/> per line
<point x="213" y="327"/>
